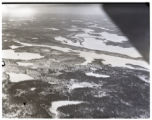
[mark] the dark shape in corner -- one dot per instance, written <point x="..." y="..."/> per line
<point x="133" y="19"/>
<point x="24" y="103"/>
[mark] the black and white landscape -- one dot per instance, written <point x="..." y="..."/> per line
<point x="70" y="61"/>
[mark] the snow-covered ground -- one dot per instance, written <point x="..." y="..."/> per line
<point x="56" y="104"/>
<point x="18" y="77"/>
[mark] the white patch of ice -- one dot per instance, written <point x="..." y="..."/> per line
<point x="60" y="38"/>
<point x="96" y="26"/>
<point x="11" y="54"/>
<point x="76" y="85"/>
<point x="105" y="28"/>
<point x="87" y="30"/>
<point x="88" y="41"/>
<point x="24" y="64"/>
<point x="92" y="43"/>
<point x="112" y="60"/>
<point x="97" y="75"/>
<point x="94" y="69"/>
<point x="14" y="46"/>
<point x="22" y="43"/>
<point x="143" y="78"/>
<point x="18" y="77"/>
<point x="91" y="56"/>
<point x="54" y="29"/>
<point x="100" y="94"/>
<point x="33" y="88"/>
<point x="124" y="102"/>
<point x="57" y="104"/>
<point x="65" y="40"/>
<point x="47" y="46"/>
<point x="59" y="48"/>
<point x="113" y="37"/>
<point x="35" y="38"/>
<point x="52" y="82"/>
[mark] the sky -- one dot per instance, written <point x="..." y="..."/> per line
<point x="87" y="9"/>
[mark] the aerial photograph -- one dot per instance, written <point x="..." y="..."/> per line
<point x="71" y="61"/>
